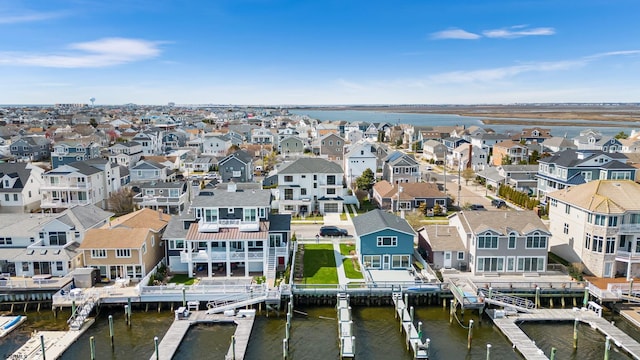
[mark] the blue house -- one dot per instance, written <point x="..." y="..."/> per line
<point x="384" y="240"/>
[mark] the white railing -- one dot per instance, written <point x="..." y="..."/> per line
<point x="630" y="227"/>
<point x="202" y="289"/>
<point x="626" y="256"/>
<point x="220" y="256"/>
<point x="225" y="223"/>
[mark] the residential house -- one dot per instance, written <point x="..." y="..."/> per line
<point x="310" y="185"/>
<point x="150" y="140"/>
<point x="237" y="167"/>
<point x="511" y="242"/>
<point x="262" y="136"/>
<point x="434" y="151"/>
<point x="125" y="154"/>
<point x="409" y="196"/>
<point x="80" y="183"/>
<point x="557" y="144"/>
<point x="69" y="151"/>
<point x="453" y="142"/>
<point x="509" y="152"/>
<point x="384" y="241"/>
<point x="291" y="146"/>
<point x="399" y="167"/>
<point x="597" y="226"/>
<point x="442" y="247"/>
<point x="571" y="167"/>
<point x="20" y="187"/>
<point x="229" y="232"/>
<point x="534" y="135"/>
<point x="468" y="156"/>
<point x="174" y="140"/>
<point x="331" y="147"/>
<point x="168" y="197"/>
<point x="31" y="148"/>
<point x="358" y="158"/>
<point x="486" y="141"/>
<point x="215" y="145"/>
<point x="128" y="247"/>
<point x="147" y="170"/>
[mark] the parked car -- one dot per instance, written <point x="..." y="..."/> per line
<point x="333" y="231"/>
<point x="477" y="207"/>
<point x="498" y="203"/>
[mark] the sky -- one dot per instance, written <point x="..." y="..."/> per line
<point x="319" y="52"/>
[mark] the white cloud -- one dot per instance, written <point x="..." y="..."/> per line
<point x="98" y="53"/>
<point x="614" y="53"/>
<point x="487" y="75"/>
<point x="455" y="34"/>
<point x="518" y="31"/>
<point x="29" y="17"/>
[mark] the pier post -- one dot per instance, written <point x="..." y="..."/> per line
<point x="470" y="336"/>
<point x="111" y="329"/>
<point x="126" y="314"/>
<point x="607" y="347"/>
<point x="630" y="288"/>
<point x="92" y="345"/>
<point x="553" y="353"/>
<point x="406" y="300"/>
<point x="73" y="307"/>
<point x="44" y="357"/>
<point x="428" y="344"/>
<point x="490" y="292"/>
<point x="420" y="330"/>
<point x="451" y="310"/>
<point x="233" y="347"/>
<point x="129" y="310"/>
<point x="184" y="297"/>
<point x="411" y="314"/>
<point x="286" y="331"/>
<point x="155" y="344"/>
<point x="285" y="348"/>
<point x="353" y="345"/>
<point x="488" y="351"/>
<point x="537" y="297"/>
<point x="585" y="301"/>
<point x="575" y="333"/>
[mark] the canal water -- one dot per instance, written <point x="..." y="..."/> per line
<point x="314" y="336"/>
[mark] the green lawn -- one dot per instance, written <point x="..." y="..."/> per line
<point x="366" y="206"/>
<point x="345" y="249"/>
<point x="349" y="270"/>
<point x="319" y="264"/>
<point x="182" y="279"/>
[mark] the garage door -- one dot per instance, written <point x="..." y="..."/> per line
<point x="331" y="207"/>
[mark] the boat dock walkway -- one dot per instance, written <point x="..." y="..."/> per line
<point x="419" y="349"/>
<point x="173" y="337"/>
<point x="345" y="327"/>
<point x="55" y="344"/>
<point x="530" y="351"/>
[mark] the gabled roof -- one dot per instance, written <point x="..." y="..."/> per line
<point x="240" y="155"/>
<point x="84" y="216"/>
<point x="311" y="166"/>
<point x="15" y="170"/>
<point x="559" y="142"/>
<point x="238" y="198"/>
<point x="118" y="238"/>
<point x="409" y="191"/>
<point x="442" y="238"/>
<point x="377" y="220"/>
<point x="143" y="218"/>
<point x="503" y="222"/>
<point x="147" y="164"/>
<point x="602" y="196"/>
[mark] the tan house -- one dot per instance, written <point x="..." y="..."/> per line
<point x="127" y="247"/>
<point x="509" y="152"/>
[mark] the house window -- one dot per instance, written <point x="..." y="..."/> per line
<point x="567" y="209"/>
<point x="613" y="221"/>
<point x="59" y="265"/>
<point x="512" y="241"/>
<point x="387" y="241"/>
<point x="288" y="178"/>
<point x="6" y="197"/>
<point x="176" y="244"/>
<point x="331" y="191"/>
<point x="400" y="261"/>
<point x="486" y="263"/>
<point x="611" y="245"/>
<point x="25" y="266"/>
<point x="250" y="215"/>
<point x="460" y="255"/>
<point x="210" y="215"/>
<point x="371" y="261"/>
<point x="144" y="248"/>
<point x="534" y="264"/>
<point x="587" y="241"/>
<point x="566" y="228"/>
<point x="536" y="241"/>
<point x="98" y="253"/>
<point x="57" y="238"/>
<point x="487" y="241"/>
<point x="123" y="253"/>
<point x="303" y="191"/>
<point x="596" y="245"/>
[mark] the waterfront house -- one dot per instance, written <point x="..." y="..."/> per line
<point x="20" y="187"/>
<point x="571" y="167"/>
<point x="409" y="196"/>
<point x="384" y="241"/>
<point x="534" y="135"/>
<point x="399" y="167"/>
<point x="510" y="242"/>
<point x="237" y="166"/>
<point x="169" y="197"/>
<point x="442" y="247"/>
<point x="597" y="226"/>
<point x="31" y="148"/>
<point x="229" y="232"/>
<point x="309" y="185"/>
<point x="126" y="247"/>
<point x="357" y="158"/>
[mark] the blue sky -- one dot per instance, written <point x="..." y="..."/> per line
<point x="319" y="52"/>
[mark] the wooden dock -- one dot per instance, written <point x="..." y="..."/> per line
<point x="419" y="348"/>
<point x="55" y="344"/>
<point x="529" y="350"/>
<point x="345" y="328"/>
<point x="173" y="337"/>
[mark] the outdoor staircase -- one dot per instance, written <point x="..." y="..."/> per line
<point x="507" y="301"/>
<point x="272" y="265"/>
<point x="235" y="301"/>
<point x="82" y="312"/>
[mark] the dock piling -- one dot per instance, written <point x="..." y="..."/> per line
<point x="233" y="347"/>
<point x="488" y="351"/>
<point x="537" y="297"/>
<point x="411" y="314"/>
<point x="111" y="329"/>
<point x="553" y="353"/>
<point x="451" y="310"/>
<point x="155" y="342"/>
<point x="607" y="347"/>
<point x="470" y="336"/>
<point x="575" y="333"/>
<point x="92" y="345"/>
<point x="428" y="345"/>
<point x="420" y="330"/>
<point x="129" y="311"/>
<point x="353" y="345"/>
<point x="285" y="349"/>
<point x="126" y="314"/>
<point x="42" y="348"/>
<point x="73" y="307"/>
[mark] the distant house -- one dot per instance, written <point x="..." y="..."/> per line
<point x="399" y="167"/>
<point x="147" y="170"/>
<point x="434" y="150"/>
<point x="20" y="187"/>
<point x="408" y="196"/>
<point x="125" y="153"/>
<point x="66" y="152"/>
<point x="31" y="148"/>
<point x="557" y="143"/>
<point x="168" y="197"/>
<point x="534" y="135"/>
<point x="513" y="242"/>
<point x="358" y="158"/>
<point x="126" y="247"/>
<point x="442" y="247"/>
<point x="331" y="147"/>
<point x="215" y="145"/>
<point x="237" y="167"/>
<point x="509" y="152"/>
<point x="291" y="145"/>
<point x="384" y="241"/>
<point x="150" y="140"/>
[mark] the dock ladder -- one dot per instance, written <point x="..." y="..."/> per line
<point x="497" y="298"/>
<point x="82" y="313"/>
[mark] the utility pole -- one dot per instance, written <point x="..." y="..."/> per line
<point x="459" y="185"/>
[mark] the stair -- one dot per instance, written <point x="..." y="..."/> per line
<point x="236" y="301"/>
<point x="497" y="298"/>
<point x="82" y="312"/>
<point x="271" y="266"/>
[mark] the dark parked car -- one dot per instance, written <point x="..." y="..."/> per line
<point x="332" y="231"/>
<point x="498" y="203"/>
<point x="477" y="207"/>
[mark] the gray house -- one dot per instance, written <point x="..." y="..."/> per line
<point x="331" y="146"/>
<point x="442" y="247"/>
<point x="237" y="167"/>
<point x="33" y="148"/>
<point x="291" y="145"/>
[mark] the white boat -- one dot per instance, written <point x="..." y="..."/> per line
<point x="8" y="323"/>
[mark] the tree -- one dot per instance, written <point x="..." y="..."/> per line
<point x="533" y="157"/>
<point x="506" y="160"/>
<point x="232" y="149"/>
<point x="468" y="174"/>
<point x="269" y="161"/>
<point x="621" y="135"/>
<point x="93" y="122"/>
<point x="366" y="180"/>
<point x="121" y="201"/>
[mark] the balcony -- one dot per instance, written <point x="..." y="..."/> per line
<point x="228" y="223"/>
<point x="63" y="204"/>
<point x="630" y="228"/>
<point x="220" y="256"/>
<point x="628" y="256"/>
<point x="147" y="200"/>
<point x="66" y="185"/>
